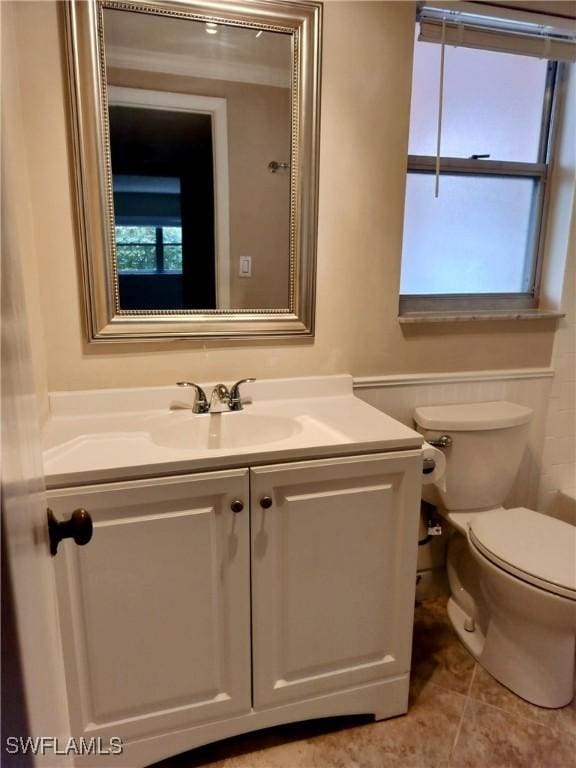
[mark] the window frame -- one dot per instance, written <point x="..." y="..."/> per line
<point x="539" y="171"/>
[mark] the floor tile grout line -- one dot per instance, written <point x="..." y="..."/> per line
<point x="509" y="713"/>
<point x="459" y="729"/>
<point x="471" y="683"/>
<point x="559" y="728"/>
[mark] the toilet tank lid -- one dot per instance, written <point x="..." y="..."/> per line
<point x="467" y="417"/>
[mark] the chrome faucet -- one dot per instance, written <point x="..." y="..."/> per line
<point x="224" y="399"/>
<point x="221" y="399"/>
<point x="200" y="402"/>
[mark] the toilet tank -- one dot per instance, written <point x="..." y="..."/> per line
<point x="488" y="442"/>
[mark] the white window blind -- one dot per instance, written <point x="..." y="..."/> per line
<point x="473" y="25"/>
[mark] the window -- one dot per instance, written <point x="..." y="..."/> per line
<point x="151" y="250"/>
<point x="481" y="124"/>
<point x="148" y="229"/>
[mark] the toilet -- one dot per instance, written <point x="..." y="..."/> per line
<point x="512" y="572"/>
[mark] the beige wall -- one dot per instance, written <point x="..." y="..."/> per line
<point x="258" y="119"/>
<point x="556" y="7"/>
<point x="20" y="235"/>
<point x="367" y="54"/>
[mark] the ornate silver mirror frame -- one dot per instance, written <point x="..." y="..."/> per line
<point x="105" y="320"/>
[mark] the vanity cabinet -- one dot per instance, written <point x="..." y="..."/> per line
<point x="332" y="574"/>
<point x="184" y="621"/>
<point x="155" y="609"/>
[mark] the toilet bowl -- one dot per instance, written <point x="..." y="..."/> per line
<point x="512" y="572"/>
<point x="523" y="619"/>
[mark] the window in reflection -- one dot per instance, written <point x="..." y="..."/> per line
<point x="149" y="249"/>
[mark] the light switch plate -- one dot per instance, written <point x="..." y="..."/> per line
<point x="245" y="266"/>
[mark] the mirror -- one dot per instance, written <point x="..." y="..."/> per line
<point x="196" y="146"/>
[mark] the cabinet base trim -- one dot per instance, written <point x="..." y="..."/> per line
<point x="388" y="698"/>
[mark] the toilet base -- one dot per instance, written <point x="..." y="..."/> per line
<point x="530" y="637"/>
<point x="551" y="688"/>
<point x="527" y="640"/>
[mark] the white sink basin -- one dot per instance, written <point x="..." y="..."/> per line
<point x="116" y="435"/>
<point x="222" y="431"/>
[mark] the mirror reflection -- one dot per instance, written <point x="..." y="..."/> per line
<point x="200" y="142"/>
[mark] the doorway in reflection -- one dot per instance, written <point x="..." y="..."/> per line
<point x="162" y="164"/>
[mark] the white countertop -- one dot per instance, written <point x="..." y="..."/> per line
<point x="111" y="435"/>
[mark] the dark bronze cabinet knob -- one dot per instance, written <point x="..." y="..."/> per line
<point x="237" y="506"/>
<point x="78" y="527"/>
<point x="265" y="502"/>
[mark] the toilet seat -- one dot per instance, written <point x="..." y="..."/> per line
<point x="530" y="546"/>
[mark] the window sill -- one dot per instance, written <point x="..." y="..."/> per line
<point x="478" y="315"/>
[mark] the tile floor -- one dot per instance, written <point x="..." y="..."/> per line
<point x="459" y="717"/>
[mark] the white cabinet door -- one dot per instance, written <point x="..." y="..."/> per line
<point x="333" y="573"/>
<point x="155" y="610"/>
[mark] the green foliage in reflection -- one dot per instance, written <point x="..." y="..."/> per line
<point x="173" y="258"/>
<point x="132" y="235"/>
<point x="136" y="248"/>
<point x="134" y="258"/>
<point x="172" y="235"/>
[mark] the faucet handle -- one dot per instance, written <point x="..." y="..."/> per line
<point x="235" y="399"/>
<point x="200" y="402"/>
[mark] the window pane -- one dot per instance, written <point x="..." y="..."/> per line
<point x="487" y="96"/>
<point x="172" y="235"/>
<point x="135" y="258"/>
<point x="173" y="258"/>
<point x="474" y="238"/>
<point x="135" y="234"/>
